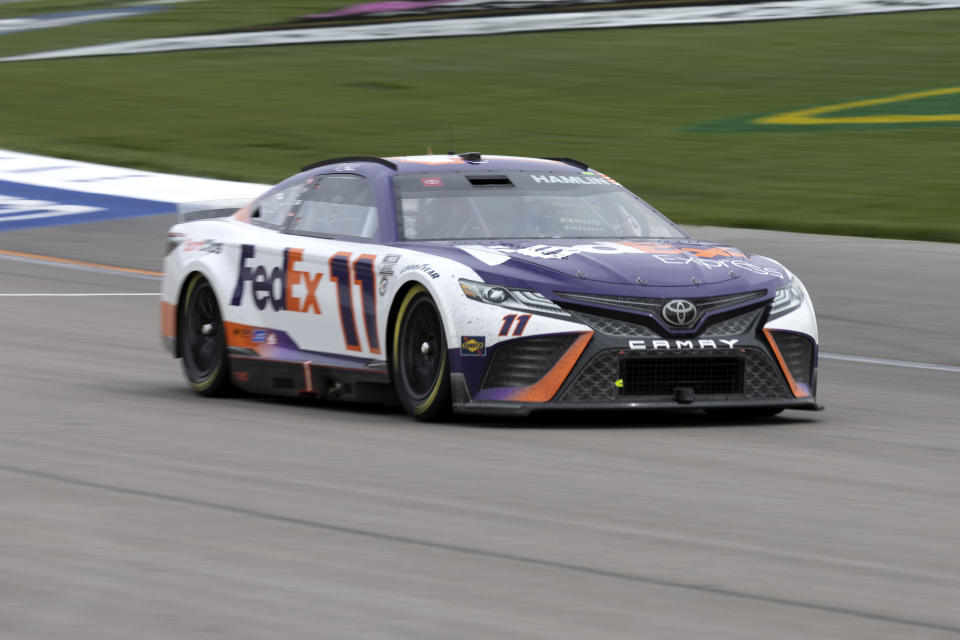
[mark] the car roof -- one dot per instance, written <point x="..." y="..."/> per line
<point x="472" y="161"/>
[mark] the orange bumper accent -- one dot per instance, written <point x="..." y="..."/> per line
<point x="547" y="386"/>
<point x="794" y="387"/>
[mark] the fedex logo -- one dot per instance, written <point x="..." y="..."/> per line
<point x="276" y="287"/>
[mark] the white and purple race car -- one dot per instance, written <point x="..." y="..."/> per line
<point x="484" y="284"/>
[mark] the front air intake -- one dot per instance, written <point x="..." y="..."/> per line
<point x="797" y="353"/>
<point x="520" y="363"/>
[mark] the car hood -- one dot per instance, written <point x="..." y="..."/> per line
<point x="614" y="265"/>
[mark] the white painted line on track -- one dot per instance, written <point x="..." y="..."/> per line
<point x="891" y="363"/>
<point x="70" y="295"/>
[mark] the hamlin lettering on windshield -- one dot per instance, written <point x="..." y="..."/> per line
<point x="568" y="180"/>
<point x="276" y="289"/>
<point x="643" y="345"/>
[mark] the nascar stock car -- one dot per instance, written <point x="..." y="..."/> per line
<point x="486" y="284"/>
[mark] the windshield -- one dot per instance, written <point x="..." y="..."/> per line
<point x="518" y="205"/>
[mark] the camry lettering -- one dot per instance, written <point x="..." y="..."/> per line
<point x="277" y="287"/>
<point x="644" y="345"/>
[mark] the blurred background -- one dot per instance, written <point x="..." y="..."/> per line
<point x="132" y="508"/>
<point x="672" y="111"/>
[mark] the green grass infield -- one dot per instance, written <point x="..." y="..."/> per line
<point x="674" y="113"/>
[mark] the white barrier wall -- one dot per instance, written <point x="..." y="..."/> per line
<point x="42" y="191"/>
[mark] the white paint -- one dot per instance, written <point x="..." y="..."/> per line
<point x="890" y="363"/>
<point x="42" y="21"/>
<point x="72" y="175"/>
<point x="504" y="24"/>
<point x="71" y="295"/>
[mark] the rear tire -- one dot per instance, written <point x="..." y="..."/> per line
<point x="202" y="340"/>
<point x="419" y="361"/>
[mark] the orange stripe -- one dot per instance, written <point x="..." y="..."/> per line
<point x="168" y="320"/>
<point x="794" y="387"/>
<point x="79" y="263"/>
<point x="545" y="389"/>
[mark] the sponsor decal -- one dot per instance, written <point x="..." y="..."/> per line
<point x="206" y="247"/>
<point x="707" y="257"/>
<point x="386" y="265"/>
<point x="721" y="264"/>
<point x="382" y="286"/>
<point x="287" y="288"/>
<point x="241" y="376"/>
<point x="259" y="335"/>
<point x="424" y="268"/>
<point x="431" y="182"/>
<point x="653" y="345"/>
<point x="473" y="345"/>
<point x="276" y="288"/>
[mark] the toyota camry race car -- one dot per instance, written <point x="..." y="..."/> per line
<point x="487" y="284"/>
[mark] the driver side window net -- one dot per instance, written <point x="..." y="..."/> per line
<point x="338" y="205"/>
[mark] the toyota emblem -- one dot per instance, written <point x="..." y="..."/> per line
<point x="679" y="313"/>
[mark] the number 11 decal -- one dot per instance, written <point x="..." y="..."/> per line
<point x="360" y="273"/>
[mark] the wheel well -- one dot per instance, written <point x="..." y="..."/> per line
<point x="176" y="320"/>
<point x="392" y="317"/>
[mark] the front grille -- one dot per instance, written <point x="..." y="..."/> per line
<point x="662" y="376"/>
<point x="734" y="326"/>
<point x="653" y="305"/>
<point x="797" y="352"/>
<point x="615" y="326"/>
<point x="520" y="363"/>
<point x="597" y="382"/>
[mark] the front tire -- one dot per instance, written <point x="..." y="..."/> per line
<point x="421" y="367"/>
<point x="202" y="340"/>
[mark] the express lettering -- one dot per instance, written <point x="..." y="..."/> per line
<point x="719" y="264"/>
<point x="276" y="287"/>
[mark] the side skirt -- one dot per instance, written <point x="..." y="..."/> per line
<point x="308" y="379"/>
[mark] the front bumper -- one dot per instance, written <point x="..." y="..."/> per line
<point x="735" y="363"/>
<point x="525" y="408"/>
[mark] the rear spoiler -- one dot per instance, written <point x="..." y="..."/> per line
<point x="206" y="209"/>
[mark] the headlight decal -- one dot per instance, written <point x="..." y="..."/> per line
<point x="787" y="298"/>
<point x="520" y="299"/>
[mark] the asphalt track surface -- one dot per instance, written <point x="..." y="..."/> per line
<point x="133" y="509"/>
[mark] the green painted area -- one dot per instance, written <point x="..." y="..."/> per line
<point x="629" y="101"/>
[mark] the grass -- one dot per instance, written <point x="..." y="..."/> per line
<point x="632" y="102"/>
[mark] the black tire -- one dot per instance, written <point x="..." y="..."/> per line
<point x="202" y="340"/>
<point x="419" y="362"/>
<point x="744" y="413"/>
